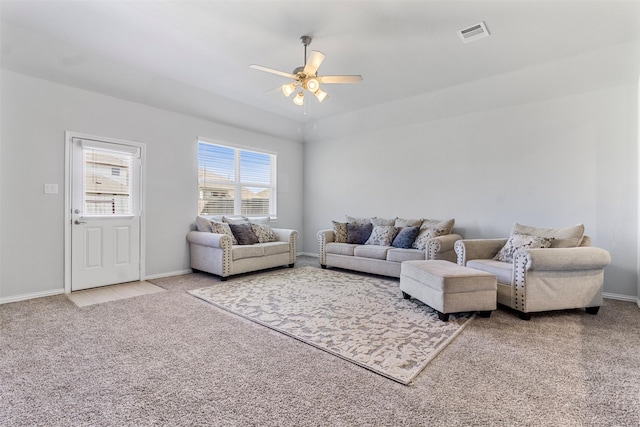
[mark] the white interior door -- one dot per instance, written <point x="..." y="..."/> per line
<point x="105" y="213"/>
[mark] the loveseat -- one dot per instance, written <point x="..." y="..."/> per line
<point x="540" y="269"/>
<point x="225" y="247"/>
<point x="379" y="246"/>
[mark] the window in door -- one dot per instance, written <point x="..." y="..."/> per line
<point x="235" y="181"/>
<point x="107" y="182"/>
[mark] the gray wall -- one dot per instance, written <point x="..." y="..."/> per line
<point x="35" y="115"/>
<point x="549" y="146"/>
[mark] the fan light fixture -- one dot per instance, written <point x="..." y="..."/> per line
<point x="306" y="77"/>
<point x="288" y="89"/>
<point x="299" y="99"/>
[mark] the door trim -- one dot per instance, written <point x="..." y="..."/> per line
<point x="68" y="138"/>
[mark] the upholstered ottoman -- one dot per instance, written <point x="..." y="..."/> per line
<point x="449" y="288"/>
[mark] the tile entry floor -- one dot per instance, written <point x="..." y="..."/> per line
<point x="112" y="293"/>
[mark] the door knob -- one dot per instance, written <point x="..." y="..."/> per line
<point x="77" y="221"/>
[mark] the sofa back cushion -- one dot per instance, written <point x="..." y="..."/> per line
<point x="564" y="237"/>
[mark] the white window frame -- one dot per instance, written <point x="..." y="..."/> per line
<point x="237" y="183"/>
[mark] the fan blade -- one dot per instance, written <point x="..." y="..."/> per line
<point x="315" y="59"/>
<point x="340" y="79"/>
<point x="274" y="90"/>
<point x="272" y="71"/>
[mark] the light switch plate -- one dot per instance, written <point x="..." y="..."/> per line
<point x="51" y="189"/>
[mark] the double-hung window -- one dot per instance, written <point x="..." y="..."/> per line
<point x="235" y="181"/>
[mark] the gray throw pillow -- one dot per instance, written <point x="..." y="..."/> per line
<point x="406" y="237"/>
<point x="358" y="233"/>
<point x="244" y="234"/>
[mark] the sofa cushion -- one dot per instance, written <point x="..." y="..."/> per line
<point x="564" y="237"/>
<point x="339" y="232"/>
<point x="520" y="241"/>
<point x="247" y="251"/>
<point x="400" y="255"/>
<point x="264" y="220"/>
<point x="235" y="219"/>
<point x="358" y="233"/>
<point x="382" y="235"/>
<point x="371" y="251"/>
<point x="400" y="222"/>
<point x="435" y="223"/>
<point x="502" y="270"/>
<point x="382" y="221"/>
<point x="222" y="228"/>
<point x="405" y="237"/>
<point x="274" y="248"/>
<point x="203" y="224"/>
<point x="357" y="220"/>
<point x="264" y="233"/>
<point x="244" y="234"/>
<point x="340" y="248"/>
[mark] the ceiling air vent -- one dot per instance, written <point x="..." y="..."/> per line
<point x="473" y="33"/>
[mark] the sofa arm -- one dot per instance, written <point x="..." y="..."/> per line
<point x="563" y="259"/>
<point x="324" y="237"/>
<point x="285" y="234"/>
<point x="442" y="247"/>
<point x="468" y="249"/>
<point x="212" y="240"/>
<point x="210" y="252"/>
<point x="291" y="237"/>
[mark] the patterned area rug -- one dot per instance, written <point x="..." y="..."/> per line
<point x="362" y="319"/>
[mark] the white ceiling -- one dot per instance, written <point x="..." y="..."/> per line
<point x="174" y="54"/>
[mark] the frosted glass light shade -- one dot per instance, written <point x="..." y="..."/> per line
<point x="313" y="85"/>
<point x="299" y="99"/>
<point x="321" y="95"/>
<point x="288" y="89"/>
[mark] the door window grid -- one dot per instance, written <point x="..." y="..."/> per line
<point x="107" y="182"/>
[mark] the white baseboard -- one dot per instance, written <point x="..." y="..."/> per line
<point x="168" y="274"/>
<point x="32" y="295"/>
<point x="621" y="297"/>
<point x="312" y="254"/>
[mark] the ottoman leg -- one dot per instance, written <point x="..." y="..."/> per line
<point x="484" y="313"/>
<point x="443" y="316"/>
<point x="405" y="295"/>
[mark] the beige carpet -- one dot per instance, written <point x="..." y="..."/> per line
<point x="363" y="319"/>
<point x="169" y="359"/>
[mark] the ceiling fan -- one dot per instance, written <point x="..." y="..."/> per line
<point x="306" y="76"/>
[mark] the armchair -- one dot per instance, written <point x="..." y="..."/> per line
<point x="544" y="278"/>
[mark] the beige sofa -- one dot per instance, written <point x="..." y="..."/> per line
<point x="217" y="254"/>
<point x="385" y="259"/>
<point x="559" y="270"/>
